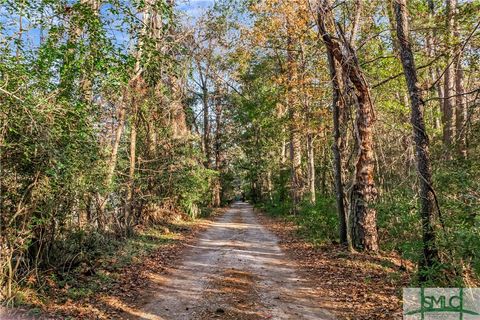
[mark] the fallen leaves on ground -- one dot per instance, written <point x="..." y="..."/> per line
<point x="131" y="286"/>
<point x="354" y="285"/>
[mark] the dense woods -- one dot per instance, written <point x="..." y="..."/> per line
<point x="358" y="120"/>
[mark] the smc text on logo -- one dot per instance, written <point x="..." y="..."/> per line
<point x="441" y="303"/>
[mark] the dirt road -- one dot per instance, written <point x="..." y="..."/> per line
<point x="236" y="270"/>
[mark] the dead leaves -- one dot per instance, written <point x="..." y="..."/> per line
<point x="355" y="286"/>
<point x="129" y="285"/>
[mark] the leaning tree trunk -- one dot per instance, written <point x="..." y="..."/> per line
<point x="430" y="252"/>
<point x="363" y="217"/>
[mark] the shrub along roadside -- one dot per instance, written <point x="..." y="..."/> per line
<point x="317" y="223"/>
<point x="105" y="265"/>
<point x="399" y="230"/>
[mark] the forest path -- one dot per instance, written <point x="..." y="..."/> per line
<point x="235" y="270"/>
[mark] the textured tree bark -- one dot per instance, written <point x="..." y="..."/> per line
<point x="427" y="211"/>
<point x="363" y="226"/>
<point x="364" y="193"/>
<point x="449" y="83"/>
<point x="179" y="119"/>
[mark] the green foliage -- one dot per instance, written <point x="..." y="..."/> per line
<point x="458" y="240"/>
<point x="63" y="193"/>
<point x="317" y="223"/>
<point x="458" y="183"/>
<point x="399" y="224"/>
<point x="86" y="262"/>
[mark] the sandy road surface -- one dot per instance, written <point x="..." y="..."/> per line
<point x="235" y="270"/>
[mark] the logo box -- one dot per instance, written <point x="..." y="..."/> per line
<point x="441" y="303"/>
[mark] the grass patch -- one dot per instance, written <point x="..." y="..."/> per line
<point x="143" y="243"/>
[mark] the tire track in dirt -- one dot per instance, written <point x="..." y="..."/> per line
<point x="235" y="270"/>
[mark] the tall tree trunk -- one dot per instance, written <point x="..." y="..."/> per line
<point x="269" y="186"/>
<point x="338" y="107"/>
<point x="206" y="125"/>
<point x="461" y="109"/>
<point x="218" y="153"/>
<point x="430" y="252"/>
<point x="178" y="116"/>
<point x="136" y="91"/>
<point x="449" y="82"/>
<point x="112" y="164"/>
<point x="364" y="221"/>
<point x="86" y="93"/>
<point x="86" y="85"/>
<point x="434" y="70"/>
<point x="295" y="159"/>
<point x="356" y="22"/>
<point x="294" y="127"/>
<point x="283" y="165"/>
<point x="363" y="226"/>
<point x="311" y="168"/>
<point x="130" y="200"/>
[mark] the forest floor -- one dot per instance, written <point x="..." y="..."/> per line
<point x="245" y="265"/>
<point x="353" y="285"/>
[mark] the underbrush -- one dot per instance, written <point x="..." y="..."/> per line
<point x="88" y="262"/>
<point x="317" y="223"/>
<point x="399" y="226"/>
<point x="457" y="224"/>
